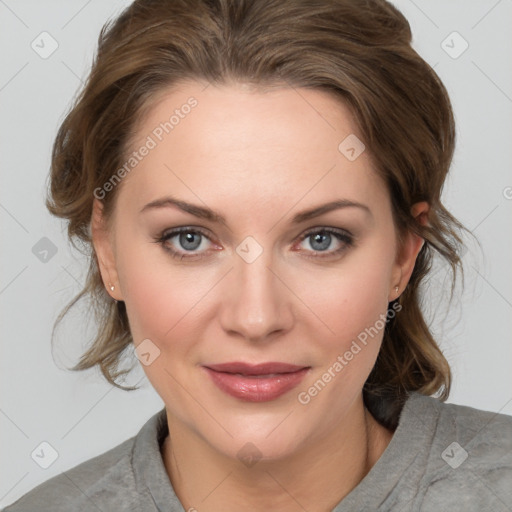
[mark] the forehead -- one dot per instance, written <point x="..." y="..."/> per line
<point x="240" y="112"/>
<point x="238" y="143"/>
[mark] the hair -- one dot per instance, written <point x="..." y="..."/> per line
<point x="357" y="50"/>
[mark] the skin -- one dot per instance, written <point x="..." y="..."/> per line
<point x="257" y="158"/>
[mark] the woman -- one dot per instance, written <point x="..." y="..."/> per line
<point x="259" y="183"/>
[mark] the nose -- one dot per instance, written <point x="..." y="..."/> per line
<point x="257" y="305"/>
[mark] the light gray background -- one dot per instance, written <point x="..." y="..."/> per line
<point x="79" y="414"/>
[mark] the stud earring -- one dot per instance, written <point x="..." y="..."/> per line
<point x="396" y="289"/>
<point x="112" y="287"/>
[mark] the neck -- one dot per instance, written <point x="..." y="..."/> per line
<point x="316" y="477"/>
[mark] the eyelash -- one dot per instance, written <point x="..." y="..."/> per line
<point x="341" y="235"/>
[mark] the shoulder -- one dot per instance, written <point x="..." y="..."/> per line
<point x="470" y="460"/>
<point x="484" y="436"/>
<point x="92" y="485"/>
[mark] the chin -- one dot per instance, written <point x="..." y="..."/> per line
<point x="250" y="451"/>
<point x="259" y="438"/>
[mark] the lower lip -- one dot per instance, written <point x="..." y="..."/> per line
<point x="256" y="389"/>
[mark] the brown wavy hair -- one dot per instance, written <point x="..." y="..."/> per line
<point x="357" y="50"/>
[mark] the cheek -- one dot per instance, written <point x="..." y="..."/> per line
<point x="153" y="301"/>
<point x="162" y="300"/>
<point x="353" y="305"/>
<point x="160" y="307"/>
<point x="368" y="296"/>
<point x="352" y="301"/>
<point x="350" y="297"/>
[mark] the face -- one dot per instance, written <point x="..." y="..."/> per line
<point x="258" y="280"/>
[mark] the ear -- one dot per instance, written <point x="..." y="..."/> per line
<point x="407" y="254"/>
<point x="105" y="250"/>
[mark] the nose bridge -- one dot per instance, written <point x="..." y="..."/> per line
<point x="257" y="303"/>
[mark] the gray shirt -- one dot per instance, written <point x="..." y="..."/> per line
<point x="441" y="457"/>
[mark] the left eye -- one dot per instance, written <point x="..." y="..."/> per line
<point x="321" y="239"/>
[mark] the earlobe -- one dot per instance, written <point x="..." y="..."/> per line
<point x="410" y="249"/>
<point x="104" y="251"/>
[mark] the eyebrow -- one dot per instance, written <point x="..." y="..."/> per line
<point x="208" y="214"/>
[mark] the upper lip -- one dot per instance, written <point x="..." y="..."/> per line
<point x="255" y="369"/>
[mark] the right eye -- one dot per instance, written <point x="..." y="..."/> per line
<point x="190" y="239"/>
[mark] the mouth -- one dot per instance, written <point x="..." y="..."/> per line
<point x="256" y="383"/>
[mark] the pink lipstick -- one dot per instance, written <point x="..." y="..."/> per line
<point x="256" y="383"/>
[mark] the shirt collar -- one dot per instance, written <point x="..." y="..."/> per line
<point x="148" y="465"/>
